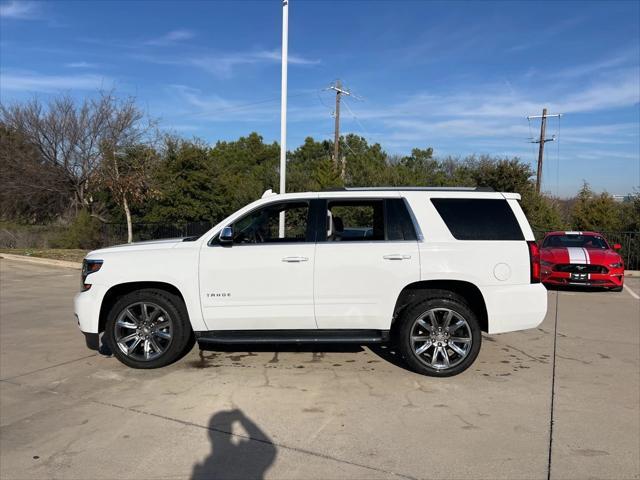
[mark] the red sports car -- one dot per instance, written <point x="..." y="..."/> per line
<point x="581" y="259"/>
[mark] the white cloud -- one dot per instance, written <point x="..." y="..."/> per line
<point x="22" y="10"/>
<point x="492" y="118"/>
<point x="619" y="90"/>
<point x="626" y="58"/>
<point x="171" y="37"/>
<point x="214" y="108"/>
<point x="223" y="65"/>
<point x="34" y="82"/>
<point x="81" y="65"/>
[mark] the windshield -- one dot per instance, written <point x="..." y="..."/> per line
<point x="583" y="241"/>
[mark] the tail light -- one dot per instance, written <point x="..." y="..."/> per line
<point x="534" y="260"/>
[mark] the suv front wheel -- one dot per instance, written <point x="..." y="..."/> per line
<point x="439" y="336"/>
<point x="148" y="328"/>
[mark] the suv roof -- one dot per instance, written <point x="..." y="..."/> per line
<point x="400" y="189"/>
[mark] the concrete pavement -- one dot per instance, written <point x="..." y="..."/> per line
<point x="347" y="412"/>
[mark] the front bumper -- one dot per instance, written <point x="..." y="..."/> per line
<point x="92" y="340"/>
<point x="86" y="306"/>
<point x="613" y="279"/>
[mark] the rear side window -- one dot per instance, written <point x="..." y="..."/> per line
<point x="360" y="220"/>
<point x="399" y="223"/>
<point x="478" y="219"/>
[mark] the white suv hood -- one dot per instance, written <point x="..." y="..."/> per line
<point x="164" y="244"/>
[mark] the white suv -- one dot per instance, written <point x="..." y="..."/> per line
<point x="426" y="268"/>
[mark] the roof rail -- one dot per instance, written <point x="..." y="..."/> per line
<point x="425" y="189"/>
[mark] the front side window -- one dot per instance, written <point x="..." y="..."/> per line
<point x="361" y="220"/>
<point x="262" y="226"/>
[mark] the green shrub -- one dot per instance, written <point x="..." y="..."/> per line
<point x="84" y="232"/>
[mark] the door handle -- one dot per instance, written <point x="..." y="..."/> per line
<point x="396" y="256"/>
<point x="295" y="259"/>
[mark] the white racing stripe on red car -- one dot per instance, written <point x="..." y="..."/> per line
<point x="586" y="254"/>
<point x="577" y="255"/>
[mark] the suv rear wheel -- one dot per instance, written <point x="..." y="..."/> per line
<point x="148" y="328"/>
<point x="439" y="336"/>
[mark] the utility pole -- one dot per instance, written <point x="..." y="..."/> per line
<point x="542" y="141"/>
<point x="336" y="137"/>
<point x="283" y="109"/>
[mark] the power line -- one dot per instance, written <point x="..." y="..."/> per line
<point x="355" y="117"/>
<point x="243" y="106"/>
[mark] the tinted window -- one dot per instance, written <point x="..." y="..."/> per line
<point x="399" y="223"/>
<point x="262" y="226"/>
<point x="478" y="219"/>
<point x="361" y="220"/>
<point x="584" y="241"/>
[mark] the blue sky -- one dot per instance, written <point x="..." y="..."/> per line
<point x="459" y="77"/>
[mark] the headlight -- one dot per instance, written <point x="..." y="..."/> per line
<point x="89" y="266"/>
<point x="615" y="265"/>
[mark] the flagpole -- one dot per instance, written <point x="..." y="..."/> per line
<point x="283" y="107"/>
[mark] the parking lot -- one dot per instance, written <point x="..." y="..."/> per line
<point x="339" y="412"/>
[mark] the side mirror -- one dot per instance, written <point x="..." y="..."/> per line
<point x="617" y="246"/>
<point x="226" y="236"/>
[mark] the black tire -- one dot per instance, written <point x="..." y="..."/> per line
<point x="439" y="302"/>
<point x="179" y="328"/>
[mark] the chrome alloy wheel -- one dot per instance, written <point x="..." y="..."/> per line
<point x="441" y="338"/>
<point x="143" y="331"/>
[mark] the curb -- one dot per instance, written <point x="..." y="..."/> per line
<point x="632" y="273"/>
<point x="42" y="261"/>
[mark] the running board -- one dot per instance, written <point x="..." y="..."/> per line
<point x="292" y="336"/>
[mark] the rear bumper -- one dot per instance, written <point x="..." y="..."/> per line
<point x="515" y="307"/>
<point x="602" y="280"/>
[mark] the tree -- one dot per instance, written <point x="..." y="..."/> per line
<point x="126" y="175"/>
<point x="501" y="174"/>
<point x="595" y="212"/>
<point x="30" y="190"/>
<point x="70" y="137"/>
<point x="241" y="171"/>
<point x="417" y="169"/>
<point x="184" y="182"/>
<point x="631" y="213"/>
<point x="310" y="167"/>
<point x="366" y="165"/>
<point x="542" y="212"/>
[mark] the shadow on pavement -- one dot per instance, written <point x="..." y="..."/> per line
<point x="280" y="347"/>
<point x="235" y="456"/>
<point x="385" y="351"/>
<point x="389" y="353"/>
<point x="576" y="288"/>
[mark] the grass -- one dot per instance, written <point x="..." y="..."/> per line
<point x="68" y="254"/>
